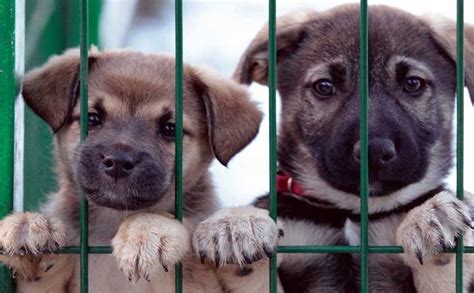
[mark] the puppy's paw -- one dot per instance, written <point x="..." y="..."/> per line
<point x="24" y="238"/>
<point x="147" y="243"/>
<point x="236" y="236"/>
<point x="31" y="234"/>
<point x="432" y="227"/>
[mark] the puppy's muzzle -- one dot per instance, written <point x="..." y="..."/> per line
<point x="121" y="176"/>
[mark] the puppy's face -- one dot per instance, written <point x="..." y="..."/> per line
<point x="127" y="161"/>
<point x="411" y="99"/>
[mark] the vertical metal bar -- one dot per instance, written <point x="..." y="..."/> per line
<point x="460" y="133"/>
<point x="272" y="83"/>
<point x="179" y="129"/>
<point x="7" y="100"/>
<point x="364" y="137"/>
<point x="84" y="70"/>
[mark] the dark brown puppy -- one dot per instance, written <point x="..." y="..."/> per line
<point x="126" y="168"/>
<point x="411" y="104"/>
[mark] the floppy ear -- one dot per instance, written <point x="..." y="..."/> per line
<point x="233" y="120"/>
<point x="51" y="90"/>
<point x="253" y="65"/>
<point x="444" y="33"/>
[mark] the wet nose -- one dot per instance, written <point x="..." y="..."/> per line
<point x="382" y="152"/>
<point x="118" y="164"/>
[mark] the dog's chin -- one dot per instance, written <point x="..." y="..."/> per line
<point x="123" y="201"/>
<point x="376" y="189"/>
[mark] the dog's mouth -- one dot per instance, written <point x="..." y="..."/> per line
<point x="376" y="188"/>
<point x="382" y="181"/>
<point x="120" y="178"/>
<point x="131" y="201"/>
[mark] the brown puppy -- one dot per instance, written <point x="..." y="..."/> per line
<point x="126" y="169"/>
<point x="411" y="104"/>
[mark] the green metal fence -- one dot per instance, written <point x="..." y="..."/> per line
<point x="7" y="101"/>
<point x="9" y="88"/>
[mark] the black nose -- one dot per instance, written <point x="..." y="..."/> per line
<point x="381" y="152"/>
<point x="118" y="164"/>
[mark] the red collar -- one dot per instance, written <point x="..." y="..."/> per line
<point x="285" y="183"/>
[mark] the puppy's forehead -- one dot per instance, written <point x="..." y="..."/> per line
<point x="138" y="84"/>
<point x="391" y="32"/>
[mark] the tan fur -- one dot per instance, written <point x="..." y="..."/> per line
<point x="135" y="90"/>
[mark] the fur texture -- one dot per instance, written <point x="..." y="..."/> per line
<point x="126" y="169"/>
<point x="411" y="105"/>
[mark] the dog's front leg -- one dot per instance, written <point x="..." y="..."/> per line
<point x="146" y="244"/>
<point x="429" y="229"/>
<point x="239" y="242"/>
<point x="28" y="242"/>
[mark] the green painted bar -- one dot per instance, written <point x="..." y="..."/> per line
<point x="179" y="129"/>
<point x="283" y="249"/>
<point x="272" y="86"/>
<point x="84" y="70"/>
<point x="338" y="249"/>
<point x="9" y="91"/>
<point x="91" y="250"/>
<point x="364" y="138"/>
<point x="460" y="134"/>
<point x="354" y="249"/>
<point x="318" y="249"/>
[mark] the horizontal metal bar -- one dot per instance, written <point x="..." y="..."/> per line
<point x="91" y="250"/>
<point x="352" y="249"/>
<point x="318" y="249"/>
<point x="281" y="249"/>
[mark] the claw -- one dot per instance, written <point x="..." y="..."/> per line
<point x="419" y="256"/>
<point x="23" y="251"/>
<point x="56" y="246"/>
<point x="281" y="233"/>
<point x="247" y="258"/>
<point x="217" y="259"/>
<point x="146" y="277"/>
<point x="202" y="256"/>
<point x="268" y="251"/>
<point x="467" y="222"/>
<point x="165" y="267"/>
<point x="258" y="256"/>
<point x="48" y="268"/>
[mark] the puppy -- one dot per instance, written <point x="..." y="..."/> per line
<point x="412" y="84"/>
<point x="125" y="167"/>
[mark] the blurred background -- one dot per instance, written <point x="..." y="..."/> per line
<point x="216" y="33"/>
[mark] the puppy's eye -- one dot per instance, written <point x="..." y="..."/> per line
<point x="168" y="130"/>
<point x="413" y="84"/>
<point x="94" y="120"/>
<point x="324" y="88"/>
